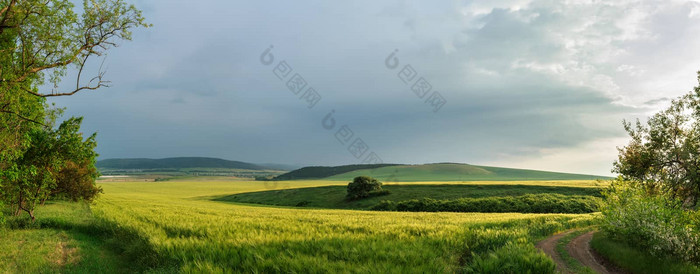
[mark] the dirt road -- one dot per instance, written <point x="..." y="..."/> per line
<point x="579" y="248"/>
<point x="549" y="246"/>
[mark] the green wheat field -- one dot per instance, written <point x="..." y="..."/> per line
<point x="185" y="226"/>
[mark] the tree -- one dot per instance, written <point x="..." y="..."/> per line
<point x="363" y="187"/>
<point x="50" y="160"/>
<point x="39" y="41"/>
<point x="664" y="154"/>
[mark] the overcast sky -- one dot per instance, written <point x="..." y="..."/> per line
<point x="529" y="84"/>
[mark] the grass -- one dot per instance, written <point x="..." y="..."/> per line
<point x="63" y="239"/>
<point x="635" y="260"/>
<point x="175" y="226"/>
<point x="457" y="172"/>
<point x="334" y="196"/>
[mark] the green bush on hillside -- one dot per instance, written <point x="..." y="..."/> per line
<point x="364" y="186"/>
<point x="529" y="203"/>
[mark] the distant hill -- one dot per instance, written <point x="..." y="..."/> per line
<point x="432" y="172"/>
<point x="319" y="172"/>
<point x="177" y="162"/>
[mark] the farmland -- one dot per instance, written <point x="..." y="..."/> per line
<point x="178" y="226"/>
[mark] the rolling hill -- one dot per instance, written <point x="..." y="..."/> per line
<point x="319" y="172"/>
<point x="430" y="172"/>
<point x="176" y="163"/>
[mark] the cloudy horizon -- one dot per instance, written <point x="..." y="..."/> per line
<point x="525" y="84"/>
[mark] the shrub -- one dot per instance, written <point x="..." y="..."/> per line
<point x="302" y="203"/>
<point x="2" y="217"/>
<point x="529" y="203"/>
<point x="77" y="182"/>
<point x="364" y="186"/>
<point x="656" y="223"/>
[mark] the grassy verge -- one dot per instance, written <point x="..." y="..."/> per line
<point x="571" y="263"/>
<point x="67" y="238"/>
<point x="635" y="260"/>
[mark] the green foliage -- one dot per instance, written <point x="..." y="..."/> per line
<point x="662" y="155"/>
<point x="657" y="223"/>
<point x="529" y="203"/>
<point x="634" y="259"/>
<point x="47" y="167"/>
<point x="76" y="181"/>
<point x="2" y="215"/>
<point x="363" y="186"/>
<point x="39" y="41"/>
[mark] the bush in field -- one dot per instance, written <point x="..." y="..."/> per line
<point x="529" y="203"/>
<point x="658" y="223"/>
<point x="364" y="186"/>
<point x="77" y="181"/>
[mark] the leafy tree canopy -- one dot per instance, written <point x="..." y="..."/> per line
<point x="362" y="187"/>
<point x="664" y="153"/>
<point x="40" y="40"/>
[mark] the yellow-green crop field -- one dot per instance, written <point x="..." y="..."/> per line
<point x="191" y="233"/>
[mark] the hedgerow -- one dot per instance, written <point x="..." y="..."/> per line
<point x="529" y="203"/>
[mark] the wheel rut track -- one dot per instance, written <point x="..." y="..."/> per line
<point x="580" y="249"/>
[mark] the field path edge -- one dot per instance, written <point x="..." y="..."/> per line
<point x="580" y="249"/>
<point x="549" y="247"/>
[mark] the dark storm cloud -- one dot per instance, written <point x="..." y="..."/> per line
<point x="526" y="83"/>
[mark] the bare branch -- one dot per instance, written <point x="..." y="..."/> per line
<point x="100" y="84"/>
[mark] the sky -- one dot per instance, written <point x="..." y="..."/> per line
<point x="526" y="84"/>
